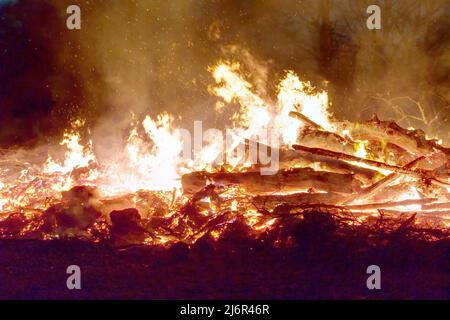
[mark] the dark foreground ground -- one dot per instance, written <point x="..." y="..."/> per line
<point x="317" y="264"/>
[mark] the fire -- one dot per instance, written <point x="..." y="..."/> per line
<point x="296" y="95"/>
<point x="148" y="173"/>
<point x="254" y="112"/>
<point x="234" y="205"/>
<point x="360" y="149"/>
<point x="155" y="168"/>
<point x="77" y="156"/>
<point x="410" y="194"/>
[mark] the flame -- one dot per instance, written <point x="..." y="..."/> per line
<point x="77" y="156"/>
<point x="411" y="194"/>
<point x="163" y="162"/>
<point x="254" y="112"/>
<point x="296" y="95"/>
<point x="148" y="165"/>
<point x="234" y="205"/>
<point x="256" y="220"/>
<point x="360" y="149"/>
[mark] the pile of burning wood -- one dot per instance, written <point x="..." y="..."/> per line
<point x="360" y="172"/>
<point x="404" y="177"/>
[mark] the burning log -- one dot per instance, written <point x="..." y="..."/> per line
<point x="401" y="144"/>
<point x="390" y="204"/>
<point x="347" y="157"/>
<point x="304" y="119"/>
<point x="270" y="201"/>
<point x="440" y="183"/>
<point x="413" y="141"/>
<point x="288" y="158"/>
<point x="290" y="209"/>
<point x="283" y="181"/>
<point x="372" y="190"/>
<point x="326" y="140"/>
<point x="305" y="159"/>
<point x="436" y="206"/>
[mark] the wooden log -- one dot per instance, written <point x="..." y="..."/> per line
<point x="315" y="136"/>
<point x="289" y="158"/>
<point x="437" y="206"/>
<point x="287" y="209"/>
<point x="390" y="204"/>
<point x="392" y="192"/>
<point x="439" y="216"/>
<point x="326" y="140"/>
<point x="438" y="182"/>
<point x="344" y="144"/>
<point x="372" y="190"/>
<point x="305" y="120"/>
<point x="272" y="200"/>
<point x="291" y="180"/>
<point x="413" y="141"/>
<point x="326" y="164"/>
<point x="347" y="157"/>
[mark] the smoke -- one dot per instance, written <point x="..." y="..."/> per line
<point x="148" y="58"/>
<point x="143" y="57"/>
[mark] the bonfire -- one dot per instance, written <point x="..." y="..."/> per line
<point x="364" y="174"/>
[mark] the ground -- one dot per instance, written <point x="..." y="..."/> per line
<point x="315" y="265"/>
